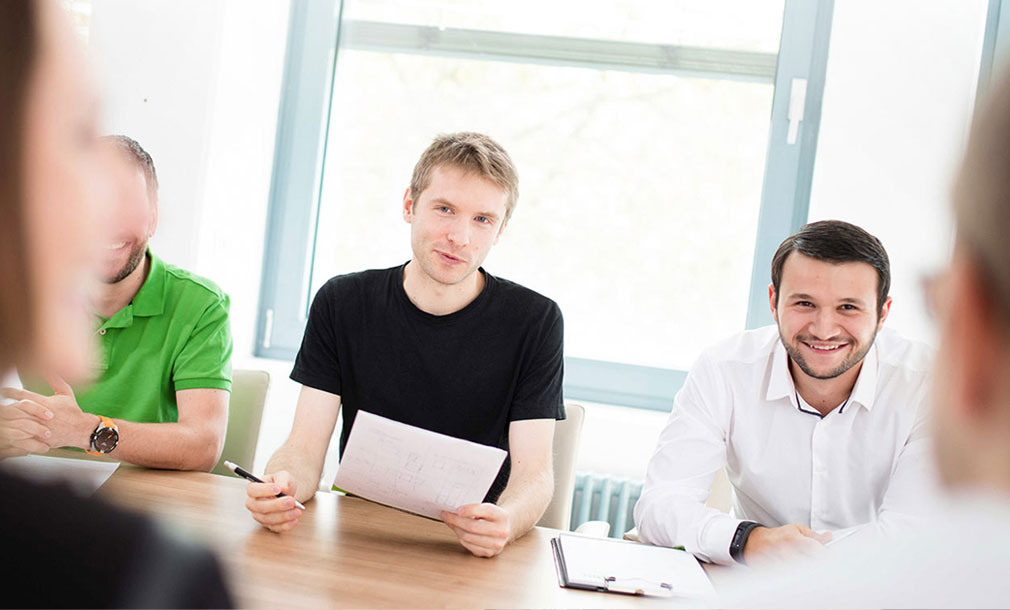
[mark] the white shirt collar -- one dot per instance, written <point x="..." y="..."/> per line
<point x="780" y="381"/>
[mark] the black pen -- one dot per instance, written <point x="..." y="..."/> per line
<point x="232" y="466"/>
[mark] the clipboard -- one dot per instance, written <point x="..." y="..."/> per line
<point x="618" y="566"/>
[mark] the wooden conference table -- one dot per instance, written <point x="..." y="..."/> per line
<point x="350" y="552"/>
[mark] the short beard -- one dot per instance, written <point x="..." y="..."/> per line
<point x="136" y="256"/>
<point x="848" y="363"/>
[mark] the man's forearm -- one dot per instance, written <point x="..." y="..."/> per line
<point x="169" y="445"/>
<point x="673" y="515"/>
<point x="305" y="474"/>
<point x="525" y="499"/>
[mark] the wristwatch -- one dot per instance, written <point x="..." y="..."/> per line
<point x="105" y="437"/>
<point x="740" y="539"/>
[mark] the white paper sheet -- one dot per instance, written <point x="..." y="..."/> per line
<point x="415" y="470"/>
<point x="590" y="561"/>
<point x="83" y="476"/>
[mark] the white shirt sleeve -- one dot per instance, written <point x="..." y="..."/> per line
<point x="692" y="448"/>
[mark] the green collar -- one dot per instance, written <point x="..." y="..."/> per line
<point x="149" y="300"/>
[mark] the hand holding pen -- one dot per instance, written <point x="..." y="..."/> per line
<point x="271" y="501"/>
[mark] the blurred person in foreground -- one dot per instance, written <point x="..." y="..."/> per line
<point x="63" y="550"/>
<point x="961" y="558"/>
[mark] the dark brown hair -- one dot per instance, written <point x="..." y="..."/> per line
<point x="19" y="33"/>
<point x="835" y="241"/>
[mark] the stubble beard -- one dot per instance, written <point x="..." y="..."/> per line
<point x="797" y="356"/>
<point x="136" y="256"/>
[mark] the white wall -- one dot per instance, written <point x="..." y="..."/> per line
<point x="164" y="100"/>
<point x="197" y="83"/>
<point x="898" y="102"/>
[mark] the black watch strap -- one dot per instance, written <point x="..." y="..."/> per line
<point x="740" y="539"/>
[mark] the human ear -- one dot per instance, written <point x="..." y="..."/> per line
<point x="154" y="220"/>
<point x="771" y="302"/>
<point x="882" y="314"/>
<point x="408" y="206"/>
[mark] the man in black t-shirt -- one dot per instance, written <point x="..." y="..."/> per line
<point x="436" y="343"/>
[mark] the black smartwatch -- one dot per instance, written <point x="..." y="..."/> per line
<point x="740" y="539"/>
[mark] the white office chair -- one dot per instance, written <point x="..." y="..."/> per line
<point x="566" y="448"/>
<point x="245" y="411"/>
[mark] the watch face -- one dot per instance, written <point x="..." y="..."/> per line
<point x="105" y="439"/>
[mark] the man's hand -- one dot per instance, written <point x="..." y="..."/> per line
<point x="483" y="529"/>
<point x="781" y="544"/>
<point x="68" y="426"/>
<point x="23" y="428"/>
<point x="275" y="514"/>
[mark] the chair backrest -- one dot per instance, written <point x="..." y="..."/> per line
<point x="245" y="410"/>
<point x="566" y="448"/>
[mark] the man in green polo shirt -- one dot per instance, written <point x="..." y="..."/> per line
<point x="163" y="376"/>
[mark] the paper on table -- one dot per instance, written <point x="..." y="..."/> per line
<point x="631" y="565"/>
<point x="839" y="535"/>
<point x="413" y="469"/>
<point x="83" y="476"/>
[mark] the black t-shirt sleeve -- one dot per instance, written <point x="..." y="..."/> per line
<point x="539" y="391"/>
<point x="317" y="364"/>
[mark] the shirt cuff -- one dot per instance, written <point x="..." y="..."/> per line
<point x="206" y="383"/>
<point x="716" y="537"/>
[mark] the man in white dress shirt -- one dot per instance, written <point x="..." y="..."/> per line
<point x="961" y="559"/>
<point x="818" y="420"/>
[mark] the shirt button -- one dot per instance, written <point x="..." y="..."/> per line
<point x="101" y="331"/>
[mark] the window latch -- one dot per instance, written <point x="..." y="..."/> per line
<point x="268" y="328"/>
<point x="797" y="104"/>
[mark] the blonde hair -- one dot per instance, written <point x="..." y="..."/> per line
<point x="473" y="153"/>
<point x="982" y="193"/>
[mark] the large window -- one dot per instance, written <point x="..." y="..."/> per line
<point x="647" y="135"/>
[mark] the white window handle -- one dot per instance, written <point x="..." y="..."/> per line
<point x="797" y="104"/>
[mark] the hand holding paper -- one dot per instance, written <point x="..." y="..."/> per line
<point x="483" y="529"/>
<point x="415" y="470"/>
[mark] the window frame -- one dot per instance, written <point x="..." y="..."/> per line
<point x="995" y="45"/>
<point x="316" y="31"/>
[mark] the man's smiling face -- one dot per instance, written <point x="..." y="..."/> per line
<point x="827" y="313"/>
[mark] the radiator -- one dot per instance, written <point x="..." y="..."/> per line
<point x="599" y="497"/>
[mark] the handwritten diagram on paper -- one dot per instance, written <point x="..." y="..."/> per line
<point x="413" y="469"/>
